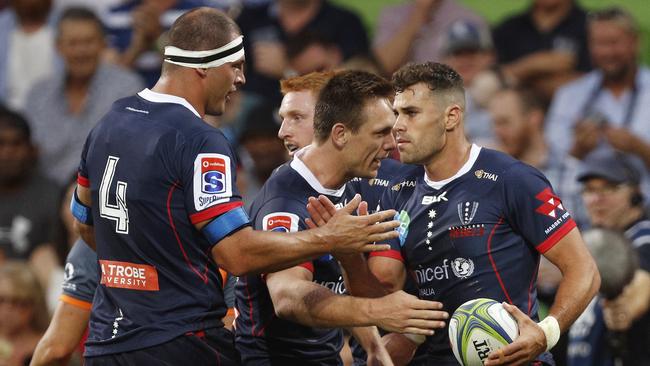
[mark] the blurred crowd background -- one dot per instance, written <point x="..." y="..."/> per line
<point x="559" y="84"/>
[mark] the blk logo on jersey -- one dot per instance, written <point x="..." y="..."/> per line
<point x="213" y="172"/>
<point x="427" y="200"/>
<point x="212" y="180"/>
<point x="280" y="221"/>
<point x="551" y="203"/>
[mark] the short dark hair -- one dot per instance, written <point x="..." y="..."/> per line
<point x="15" y="121"/>
<point x="617" y="15"/>
<point x="80" y="13"/>
<point x="527" y="98"/>
<point x="438" y="77"/>
<point x="202" y="29"/>
<point x="343" y="99"/>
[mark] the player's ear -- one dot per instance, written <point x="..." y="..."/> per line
<point x="203" y="73"/>
<point x="453" y="116"/>
<point x="340" y="135"/>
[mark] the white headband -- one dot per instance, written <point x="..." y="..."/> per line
<point x="230" y="52"/>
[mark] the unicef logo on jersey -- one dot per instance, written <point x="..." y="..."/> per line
<point x="462" y="267"/>
<point x="214" y="182"/>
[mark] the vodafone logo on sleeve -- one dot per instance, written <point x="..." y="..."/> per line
<point x="280" y="221"/>
<point x="129" y="275"/>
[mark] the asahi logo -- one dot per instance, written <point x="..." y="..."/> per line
<point x="482" y="174"/>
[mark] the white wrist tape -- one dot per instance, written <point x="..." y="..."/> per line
<point x="551" y="329"/>
<point x="416" y="338"/>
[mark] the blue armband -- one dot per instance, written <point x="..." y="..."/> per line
<point x="225" y="224"/>
<point x="80" y="211"/>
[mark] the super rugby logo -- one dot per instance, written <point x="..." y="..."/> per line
<point x="213" y="174"/>
<point x="212" y="180"/>
<point x="280" y="221"/>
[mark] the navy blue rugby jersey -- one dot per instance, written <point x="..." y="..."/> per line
<point x="281" y="206"/>
<point x="80" y="276"/>
<point x="477" y="234"/>
<point x="155" y="169"/>
<point x="371" y="190"/>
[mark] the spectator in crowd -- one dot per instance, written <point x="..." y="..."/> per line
<point x="614" y="201"/>
<point x="467" y="48"/>
<point x="268" y="26"/>
<point x="518" y="116"/>
<point x="311" y="52"/>
<point x="135" y="28"/>
<point x="414" y="31"/>
<point x="606" y="109"/>
<point x="23" y="316"/>
<point x="28" y="54"/>
<point x="545" y="46"/>
<point x="64" y="108"/>
<point x="29" y="207"/>
<point x="261" y="151"/>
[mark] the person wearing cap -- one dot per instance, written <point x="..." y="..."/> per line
<point x="156" y="198"/>
<point x="467" y="48"/>
<point x="614" y="201"/>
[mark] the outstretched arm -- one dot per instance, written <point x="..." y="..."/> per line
<point x="298" y="299"/>
<point x="247" y="251"/>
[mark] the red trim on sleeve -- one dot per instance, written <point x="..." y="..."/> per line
<point x="556" y="236"/>
<point x="391" y="253"/>
<point x="83" y="181"/>
<point x="81" y="304"/>
<point x="213" y="212"/>
<point x="308" y="266"/>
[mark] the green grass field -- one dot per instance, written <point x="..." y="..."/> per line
<point x="495" y="10"/>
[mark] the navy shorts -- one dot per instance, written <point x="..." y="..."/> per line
<point x="214" y="347"/>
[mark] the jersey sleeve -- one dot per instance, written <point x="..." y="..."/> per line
<point x="283" y="215"/>
<point x="82" y="175"/>
<point x="208" y="176"/>
<point x="533" y="209"/>
<point x="387" y="202"/>
<point x="80" y="276"/>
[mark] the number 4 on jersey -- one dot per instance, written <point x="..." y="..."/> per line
<point x="116" y="212"/>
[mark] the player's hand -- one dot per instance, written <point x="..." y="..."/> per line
<point x="586" y="137"/>
<point x="400" y="348"/>
<point x="345" y="233"/>
<point x="403" y="313"/>
<point x="380" y="357"/>
<point x="530" y="343"/>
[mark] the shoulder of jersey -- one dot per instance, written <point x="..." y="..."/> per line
<point x="406" y="177"/>
<point x="494" y="162"/>
<point x="284" y="179"/>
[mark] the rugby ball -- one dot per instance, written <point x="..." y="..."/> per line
<point x="479" y="327"/>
